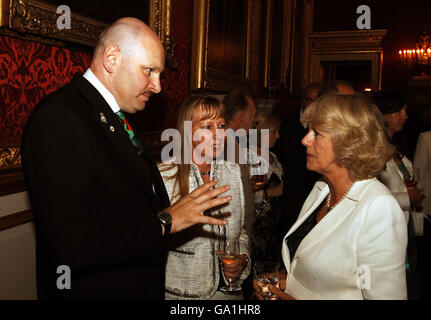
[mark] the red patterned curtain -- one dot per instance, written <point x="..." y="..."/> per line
<point x="29" y="71"/>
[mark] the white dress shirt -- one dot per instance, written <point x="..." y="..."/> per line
<point x="109" y="98"/>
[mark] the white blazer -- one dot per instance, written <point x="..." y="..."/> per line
<point x="393" y="179"/>
<point x="423" y="162"/>
<point x="357" y="251"/>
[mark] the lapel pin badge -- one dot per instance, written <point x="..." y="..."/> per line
<point x="103" y="118"/>
<point x="112" y="129"/>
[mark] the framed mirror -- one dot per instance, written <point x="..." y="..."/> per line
<point x="221" y="44"/>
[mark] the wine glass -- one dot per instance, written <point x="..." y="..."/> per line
<point x="229" y="253"/>
<point x="266" y="273"/>
<point x="412" y="179"/>
<point x="258" y="177"/>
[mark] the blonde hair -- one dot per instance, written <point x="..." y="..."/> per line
<point x="357" y="132"/>
<point x="265" y="120"/>
<point x="211" y="108"/>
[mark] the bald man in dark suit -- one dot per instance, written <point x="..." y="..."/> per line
<point x="99" y="203"/>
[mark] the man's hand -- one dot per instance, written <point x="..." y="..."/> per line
<point x="189" y="210"/>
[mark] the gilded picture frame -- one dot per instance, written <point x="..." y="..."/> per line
<point x="221" y="59"/>
<point x="279" y="43"/>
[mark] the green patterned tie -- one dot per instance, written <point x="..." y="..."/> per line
<point x="126" y="124"/>
<point x="135" y="141"/>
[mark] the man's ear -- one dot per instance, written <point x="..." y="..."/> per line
<point x="111" y="57"/>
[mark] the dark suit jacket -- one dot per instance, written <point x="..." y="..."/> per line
<point x="298" y="181"/>
<point x="92" y="200"/>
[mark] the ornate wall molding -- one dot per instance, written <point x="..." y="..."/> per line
<point x="11" y="175"/>
<point x="357" y="45"/>
<point x="10" y="158"/>
<point x="15" y="219"/>
<point x="160" y="22"/>
<point x="357" y="40"/>
<point x="37" y="18"/>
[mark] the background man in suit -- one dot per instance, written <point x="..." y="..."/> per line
<point x="240" y="110"/>
<point x="240" y="115"/>
<point x="99" y="203"/>
<point x="298" y="181"/>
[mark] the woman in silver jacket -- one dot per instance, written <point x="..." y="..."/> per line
<point x="193" y="270"/>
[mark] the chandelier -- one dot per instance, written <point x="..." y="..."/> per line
<point x="421" y="55"/>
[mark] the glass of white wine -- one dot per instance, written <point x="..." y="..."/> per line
<point x="266" y="273"/>
<point x="229" y="252"/>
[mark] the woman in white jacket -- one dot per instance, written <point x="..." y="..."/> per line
<point x="192" y="268"/>
<point x="350" y="239"/>
<point x="393" y="106"/>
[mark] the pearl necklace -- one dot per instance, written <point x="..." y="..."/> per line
<point x="328" y="199"/>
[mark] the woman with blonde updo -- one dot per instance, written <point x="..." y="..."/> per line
<point x="350" y="239"/>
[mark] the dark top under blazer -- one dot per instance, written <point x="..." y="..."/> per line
<point x="92" y="200"/>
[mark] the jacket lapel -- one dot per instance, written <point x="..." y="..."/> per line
<point x="316" y="196"/>
<point x="114" y="131"/>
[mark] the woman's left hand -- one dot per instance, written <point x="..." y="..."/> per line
<point x="258" y="182"/>
<point x="277" y="291"/>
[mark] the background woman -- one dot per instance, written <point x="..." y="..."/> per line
<point x="192" y="269"/>
<point x="350" y="239"/>
<point x="393" y="106"/>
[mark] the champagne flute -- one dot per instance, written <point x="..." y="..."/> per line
<point x="228" y="254"/>
<point x="265" y="274"/>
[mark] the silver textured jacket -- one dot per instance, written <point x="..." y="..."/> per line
<point x="192" y="269"/>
